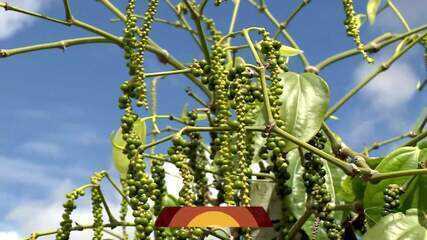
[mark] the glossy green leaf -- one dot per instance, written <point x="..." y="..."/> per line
<point x="422" y="200"/>
<point x="401" y="159"/>
<point x="371" y="10"/>
<point x="304" y="100"/>
<point x="121" y="162"/>
<point x="289" y="51"/>
<point x="398" y="226"/>
<point x="169" y="201"/>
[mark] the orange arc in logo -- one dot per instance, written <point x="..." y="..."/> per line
<point x="254" y="217"/>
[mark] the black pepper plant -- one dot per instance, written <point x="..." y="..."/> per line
<point x="259" y="127"/>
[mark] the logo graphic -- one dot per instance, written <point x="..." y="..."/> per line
<point x="254" y="217"/>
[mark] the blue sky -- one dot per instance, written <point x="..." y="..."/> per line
<point x="58" y="108"/>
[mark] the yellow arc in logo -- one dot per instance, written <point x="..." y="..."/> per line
<point x="213" y="219"/>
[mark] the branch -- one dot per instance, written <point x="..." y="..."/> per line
<point x="34" y="236"/>
<point x="415" y="140"/>
<point x="349" y="169"/>
<point x="383" y="67"/>
<point x="263" y="9"/>
<point x="298" y="225"/>
<point x="113" y="9"/>
<point x="285" y="23"/>
<point x="63" y="44"/>
<point x="373" y="46"/>
<point x="376" y="177"/>
<point x="8" y="7"/>
<point x="167" y="73"/>
<point x="67" y="8"/>
<point x="377" y="145"/>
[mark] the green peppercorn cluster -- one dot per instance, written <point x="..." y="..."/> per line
<point x="197" y="161"/>
<point x="97" y="214"/>
<point x="178" y="153"/>
<point x="219" y="80"/>
<point x="96" y="198"/>
<point x="124" y="206"/>
<point x="239" y="88"/>
<point x="135" y="41"/>
<point x="141" y="187"/>
<point x="392" y="195"/>
<point x="274" y="150"/>
<point x="314" y="181"/>
<point x="352" y="24"/>
<point x="66" y="224"/>
<point x="213" y="30"/>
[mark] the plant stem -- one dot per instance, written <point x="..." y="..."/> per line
<point x="196" y="16"/>
<point x="381" y="176"/>
<point x="348" y="168"/>
<point x="67" y="8"/>
<point x="111" y="233"/>
<point x="231" y="27"/>
<point x="111" y="218"/>
<point x="415" y="140"/>
<point x="383" y="67"/>
<point x="298" y="225"/>
<point x="79" y="228"/>
<point x="261" y="70"/>
<point x="63" y="44"/>
<point x="373" y="46"/>
<point x="195" y="97"/>
<point x="8" y="7"/>
<point x="377" y="145"/>
<point x="166" y="73"/>
<point x="398" y="14"/>
<point x="113" y="9"/>
<point x="263" y="9"/>
<point x="116" y="187"/>
<point x="285" y="23"/>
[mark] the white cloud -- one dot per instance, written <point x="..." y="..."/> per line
<point x="34" y="216"/>
<point x="390" y="89"/>
<point x="14" y="170"/>
<point x="9" y="235"/>
<point x="12" y="22"/>
<point x="43" y="148"/>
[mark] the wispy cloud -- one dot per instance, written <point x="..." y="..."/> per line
<point x="11" y="22"/>
<point x="9" y="235"/>
<point x="43" y="148"/>
<point x="21" y="171"/>
<point x="44" y="215"/>
<point x="392" y="88"/>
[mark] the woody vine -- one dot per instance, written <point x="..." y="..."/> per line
<point x="258" y="113"/>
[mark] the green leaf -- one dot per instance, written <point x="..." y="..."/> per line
<point x="398" y="226"/>
<point x="169" y="201"/>
<point x="184" y="112"/>
<point x="404" y="158"/>
<point x="289" y="51"/>
<point x="422" y="200"/>
<point x="121" y="162"/>
<point x="371" y="10"/>
<point x="304" y="100"/>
